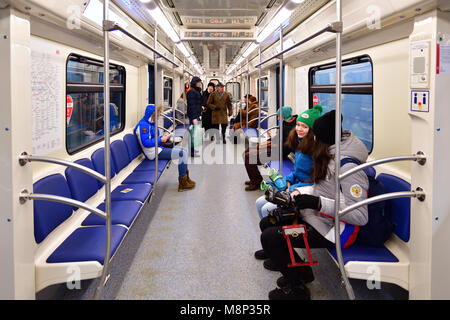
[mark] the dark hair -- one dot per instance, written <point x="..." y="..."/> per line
<point x="306" y="146"/>
<point x="321" y="158"/>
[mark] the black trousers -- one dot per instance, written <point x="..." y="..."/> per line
<point x="276" y="248"/>
<point x="223" y="129"/>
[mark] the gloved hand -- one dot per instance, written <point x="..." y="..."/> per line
<point x="217" y="109"/>
<point x="306" y="201"/>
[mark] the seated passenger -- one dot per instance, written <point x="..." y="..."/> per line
<point x="302" y="141"/>
<point x="252" y="154"/>
<point x="252" y="105"/>
<point x="145" y="132"/>
<point x="316" y="207"/>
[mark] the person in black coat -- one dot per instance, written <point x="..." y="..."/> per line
<point x="207" y="113"/>
<point x="194" y="104"/>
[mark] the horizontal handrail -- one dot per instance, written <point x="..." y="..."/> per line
<point x="420" y="157"/>
<point x="256" y="119"/>
<point x="24" y="158"/>
<point x="165" y="130"/>
<point x="167" y="117"/>
<point x="419" y="193"/>
<point x="269" y="116"/>
<point x="276" y="127"/>
<point x="25" y="195"/>
<point x="254" y="110"/>
<point x="113" y="26"/>
<point x="332" y="27"/>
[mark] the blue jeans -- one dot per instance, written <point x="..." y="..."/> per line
<point x="264" y="207"/>
<point x="176" y="153"/>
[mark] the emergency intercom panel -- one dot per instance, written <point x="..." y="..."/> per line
<point x="420" y="65"/>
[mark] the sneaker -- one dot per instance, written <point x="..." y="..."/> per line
<point x="261" y="255"/>
<point x="271" y="265"/>
<point x="297" y="292"/>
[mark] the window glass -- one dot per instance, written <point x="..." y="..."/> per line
<point x="357" y="95"/>
<point x="84" y="104"/>
<point x="234" y="89"/>
<point x="167" y="92"/>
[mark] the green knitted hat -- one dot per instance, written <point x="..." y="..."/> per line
<point x="309" y="116"/>
<point x="287" y="113"/>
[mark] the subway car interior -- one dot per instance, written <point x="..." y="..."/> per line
<point x="246" y="147"/>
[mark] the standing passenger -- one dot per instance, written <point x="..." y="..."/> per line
<point x="220" y="104"/>
<point x="194" y="105"/>
<point x="207" y="113"/>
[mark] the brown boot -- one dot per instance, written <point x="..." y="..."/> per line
<point x="184" y="184"/>
<point x="189" y="179"/>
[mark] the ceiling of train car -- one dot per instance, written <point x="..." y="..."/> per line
<point x="194" y="17"/>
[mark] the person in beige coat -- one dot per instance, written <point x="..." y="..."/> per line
<point x="220" y="104"/>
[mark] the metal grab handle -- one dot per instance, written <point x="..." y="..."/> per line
<point x="254" y="110"/>
<point x="25" y="195"/>
<point x="167" y="117"/>
<point x="276" y="127"/>
<point x="253" y="120"/>
<point x="165" y="130"/>
<point x="269" y="116"/>
<point x="419" y="194"/>
<point x="420" y="157"/>
<point x="24" y="158"/>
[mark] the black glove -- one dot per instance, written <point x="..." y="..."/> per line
<point x="306" y="201"/>
<point x="280" y="198"/>
<point x="217" y="108"/>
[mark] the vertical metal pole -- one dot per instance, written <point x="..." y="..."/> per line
<point x="338" y="134"/>
<point x="259" y="95"/>
<point x="106" y="129"/>
<point x="173" y="92"/>
<point x="281" y="101"/>
<point x="248" y="91"/>
<point x="155" y="116"/>
<point x="184" y="92"/>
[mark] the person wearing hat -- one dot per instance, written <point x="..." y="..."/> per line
<point x="207" y="113"/>
<point x="219" y="102"/>
<point x="302" y="141"/>
<point x="194" y="104"/>
<point x="316" y="207"/>
<point x="252" y="115"/>
<point x="252" y="155"/>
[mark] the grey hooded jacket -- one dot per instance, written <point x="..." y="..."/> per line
<point x="353" y="189"/>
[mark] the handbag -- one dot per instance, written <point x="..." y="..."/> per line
<point x="196" y="135"/>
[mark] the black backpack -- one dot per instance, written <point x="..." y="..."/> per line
<point x="380" y="226"/>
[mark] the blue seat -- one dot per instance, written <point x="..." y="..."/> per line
<point x="365" y="253"/>
<point x="119" y="155"/>
<point x="149" y="165"/>
<point x="87" y="244"/>
<point x="251" y="132"/>
<point x="81" y="185"/>
<point x="288" y="166"/>
<point x="400" y="209"/>
<point x="138" y="177"/>
<point x="48" y="215"/>
<point x="371" y="172"/>
<point x="133" y="192"/>
<point x="122" y="212"/>
<point x="132" y="146"/>
<point x="180" y="130"/>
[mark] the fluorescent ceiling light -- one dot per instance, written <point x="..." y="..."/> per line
<point x="145" y="1"/>
<point x="162" y="21"/>
<point x="94" y="12"/>
<point x="240" y="60"/>
<point x="191" y="60"/>
<point x="183" y="49"/>
<point x="250" y="49"/>
<point x="279" y="18"/>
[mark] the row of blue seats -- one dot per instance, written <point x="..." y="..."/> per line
<point x="87" y="242"/>
<point x="401" y="214"/>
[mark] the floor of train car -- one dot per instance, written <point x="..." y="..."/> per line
<point x="199" y="245"/>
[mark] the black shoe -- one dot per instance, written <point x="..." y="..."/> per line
<point x="252" y="187"/>
<point x="271" y="265"/>
<point x="297" y="292"/>
<point x="307" y="276"/>
<point x="261" y="255"/>
<point x="224" y="140"/>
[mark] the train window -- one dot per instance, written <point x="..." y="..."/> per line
<point x="264" y="93"/>
<point x="167" y="92"/>
<point x="357" y="94"/>
<point x="233" y="88"/>
<point x="84" y="106"/>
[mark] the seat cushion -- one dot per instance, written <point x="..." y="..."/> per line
<point x="119" y="155"/>
<point x="122" y="212"/>
<point x="132" y="145"/>
<point x="180" y="130"/>
<point x="126" y="192"/>
<point x="138" y="177"/>
<point x="251" y="132"/>
<point x="48" y="215"/>
<point x="82" y="185"/>
<point x="288" y="166"/>
<point x="149" y="165"/>
<point x="365" y="253"/>
<point x="87" y="244"/>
